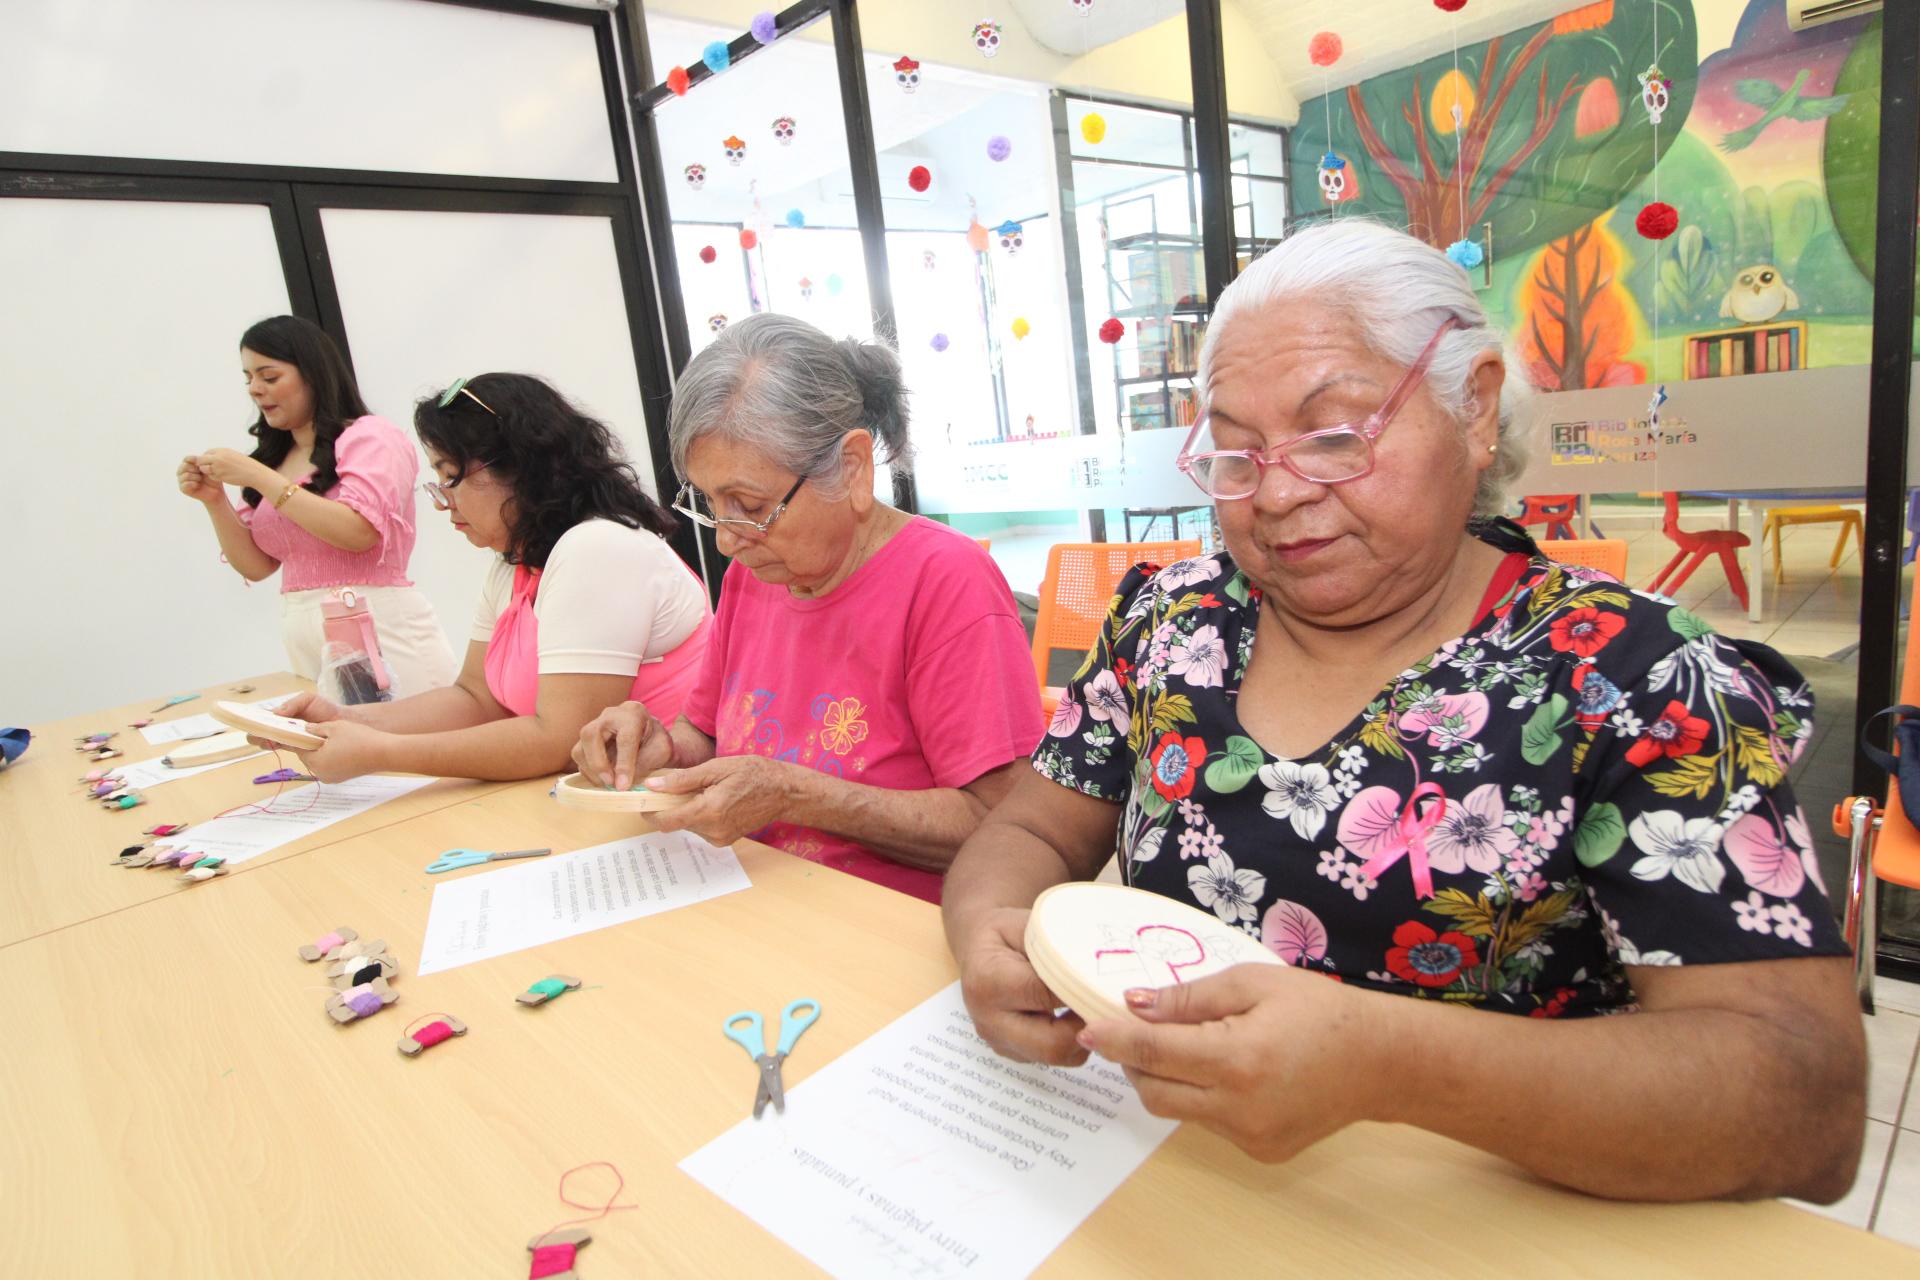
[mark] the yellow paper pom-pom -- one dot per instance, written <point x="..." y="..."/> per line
<point x="1093" y="126"/>
<point x="1021" y="328"/>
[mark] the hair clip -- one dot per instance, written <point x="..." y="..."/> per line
<point x="459" y="388"/>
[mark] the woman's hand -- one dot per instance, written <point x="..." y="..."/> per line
<point x="230" y="466"/>
<point x="620" y="744"/>
<point x="1270" y="1057"/>
<point x="349" y="750"/>
<point x="737" y="795"/>
<point x="196" y="483"/>
<point x="312" y="708"/>
<point x="1012" y="1008"/>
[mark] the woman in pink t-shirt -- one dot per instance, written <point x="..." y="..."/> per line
<point x="867" y="694"/>
<point x="327" y="501"/>
<point x="584" y="606"/>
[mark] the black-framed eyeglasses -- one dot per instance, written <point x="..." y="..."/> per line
<point x="459" y="388"/>
<point x="692" y="504"/>
<point x="442" y="494"/>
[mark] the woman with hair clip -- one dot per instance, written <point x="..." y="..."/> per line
<point x="868" y="695"/>
<point x="327" y="499"/>
<point x="585" y="607"/>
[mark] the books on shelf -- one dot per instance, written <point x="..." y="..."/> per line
<point x="1169" y="346"/>
<point x="1164" y="276"/>
<point x="1762" y="348"/>
<point x="1152" y="409"/>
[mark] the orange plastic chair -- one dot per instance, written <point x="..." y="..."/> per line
<point x="1695" y="548"/>
<point x="1081" y="577"/>
<point x="1881" y="844"/>
<point x="1609" y="555"/>
<point x="1554" y="510"/>
<point x="1848" y="518"/>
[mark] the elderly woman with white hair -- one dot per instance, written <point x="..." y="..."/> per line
<point x="1388" y="736"/>
<point x="867" y="693"/>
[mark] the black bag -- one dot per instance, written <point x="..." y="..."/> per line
<point x="1905" y="767"/>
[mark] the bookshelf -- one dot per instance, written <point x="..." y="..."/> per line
<point x="1754" y="348"/>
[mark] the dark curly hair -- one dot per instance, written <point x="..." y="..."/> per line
<point x="336" y="396"/>
<point x="562" y="466"/>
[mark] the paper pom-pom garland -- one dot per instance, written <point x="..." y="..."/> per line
<point x="1467" y="254"/>
<point x="1324" y="49"/>
<point x="707" y="253"/>
<point x="1657" y="220"/>
<point x="1112" y="330"/>
<point x="977" y="238"/>
<point x="717" y="56"/>
<point x="1450" y="6"/>
<point x="748" y="239"/>
<point x="677" y="81"/>
<point x="796" y="219"/>
<point x="986" y="38"/>
<point x="938" y="342"/>
<point x="1093" y="127"/>
<point x="906" y="74"/>
<point x="835" y="284"/>
<point x="999" y="147"/>
<point x="919" y="177"/>
<point x="1021" y="328"/>
<point x="765" y="28"/>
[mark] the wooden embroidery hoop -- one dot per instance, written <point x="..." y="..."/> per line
<point x="1091" y="942"/>
<point x="218" y="749"/>
<point x="576" y="793"/>
<point x="265" y="724"/>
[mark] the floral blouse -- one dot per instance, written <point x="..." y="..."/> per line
<point x="1589" y="778"/>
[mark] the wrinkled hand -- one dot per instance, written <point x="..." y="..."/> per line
<point x="195" y="483"/>
<point x="349" y="750"/>
<point x="1270" y="1057"/>
<point x="734" y="796"/>
<point x="230" y="466"/>
<point x="1012" y="1008"/>
<point x="621" y="744"/>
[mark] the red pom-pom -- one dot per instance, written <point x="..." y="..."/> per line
<point x="748" y="239"/>
<point x="1450" y="6"/>
<point x="1324" y="49"/>
<point x="1657" y="221"/>
<point x="919" y="177"/>
<point x="677" y="81"/>
<point x="707" y="254"/>
<point x="1111" y="330"/>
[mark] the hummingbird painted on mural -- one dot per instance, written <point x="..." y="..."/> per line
<point x="1778" y="104"/>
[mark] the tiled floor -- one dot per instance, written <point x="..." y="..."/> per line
<point x="1886" y="1196"/>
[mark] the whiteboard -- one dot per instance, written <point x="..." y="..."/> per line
<point x="428" y="297"/>
<point x="119" y="353"/>
<point x="349" y="84"/>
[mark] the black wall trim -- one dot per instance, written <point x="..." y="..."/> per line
<point x="1213" y="152"/>
<point x="123" y="166"/>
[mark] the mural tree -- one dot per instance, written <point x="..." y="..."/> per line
<point x="1551" y="131"/>
<point x="1579" y="319"/>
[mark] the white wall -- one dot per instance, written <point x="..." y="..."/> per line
<point x="356" y="84"/>
<point x="119" y="353"/>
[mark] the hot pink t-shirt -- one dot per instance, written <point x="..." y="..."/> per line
<point x="378" y="466"/>
<point x="912" y="674"/>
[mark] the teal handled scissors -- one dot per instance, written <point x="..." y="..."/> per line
<point x="748" y="1030"/>
<point x="454" y="859"/>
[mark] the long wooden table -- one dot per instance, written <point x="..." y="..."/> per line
<point x="56" y="843"/>
<point x="178" y="1105"/>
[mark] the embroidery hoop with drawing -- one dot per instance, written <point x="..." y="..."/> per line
<point x="264" y="724"/>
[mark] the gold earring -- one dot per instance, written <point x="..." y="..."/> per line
<point x="1493" y="448"/>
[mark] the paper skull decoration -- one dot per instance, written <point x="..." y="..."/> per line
<point x="986" y="38"/>
<point x="696" y="176"/>
<point x="1012" y="235"/>
<point x="1656" y="92"/>
<point x="1083" y="7"/>
<point x="1333" y="178"/>
<point x="926" y="259"/>
<point x="806" y="289"/>
<point x="716" y="322"/>
<point x="783" y="131"/>
<point x="906" y="73"/>
<point x="736" y="149"/>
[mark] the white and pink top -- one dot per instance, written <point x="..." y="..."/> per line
<point x="611" y="601"/>
<point x="378" y="467"/>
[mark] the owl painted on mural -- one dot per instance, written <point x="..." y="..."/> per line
<point x="1759" y="293"/>
<point x="783" y="131"/>
<point x="986" y="38"/>
<point x="906" y="74"/>
<point x="736" y="149"/>
<point x="1012" y="235"/>
<point x="696" y="176"/>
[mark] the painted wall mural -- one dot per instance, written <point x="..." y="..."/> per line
<point x="1539" y="146"/>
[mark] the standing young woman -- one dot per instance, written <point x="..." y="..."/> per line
<point x="327" y="497"/>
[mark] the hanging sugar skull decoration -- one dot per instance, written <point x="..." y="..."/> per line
<point x="1083" y="7"/>
<point x="736" y="149"/>
<point x="783" y="131"/>
<point x="806" y="289"/>
<point x="1012" y="235"/>
<point x="716" y="322"/>
<point x="1656" y="92"/>
<point x="926" y="259"/>
<point x="696" y="176"/>
<point x="986" y="38"/>
<point x="1333" y="178"/>
<point x="906" y="74"/>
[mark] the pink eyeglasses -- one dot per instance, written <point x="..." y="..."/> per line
<point x="1332" y="456"/>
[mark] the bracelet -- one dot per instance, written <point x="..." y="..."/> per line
<point x="285" y="494"/>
